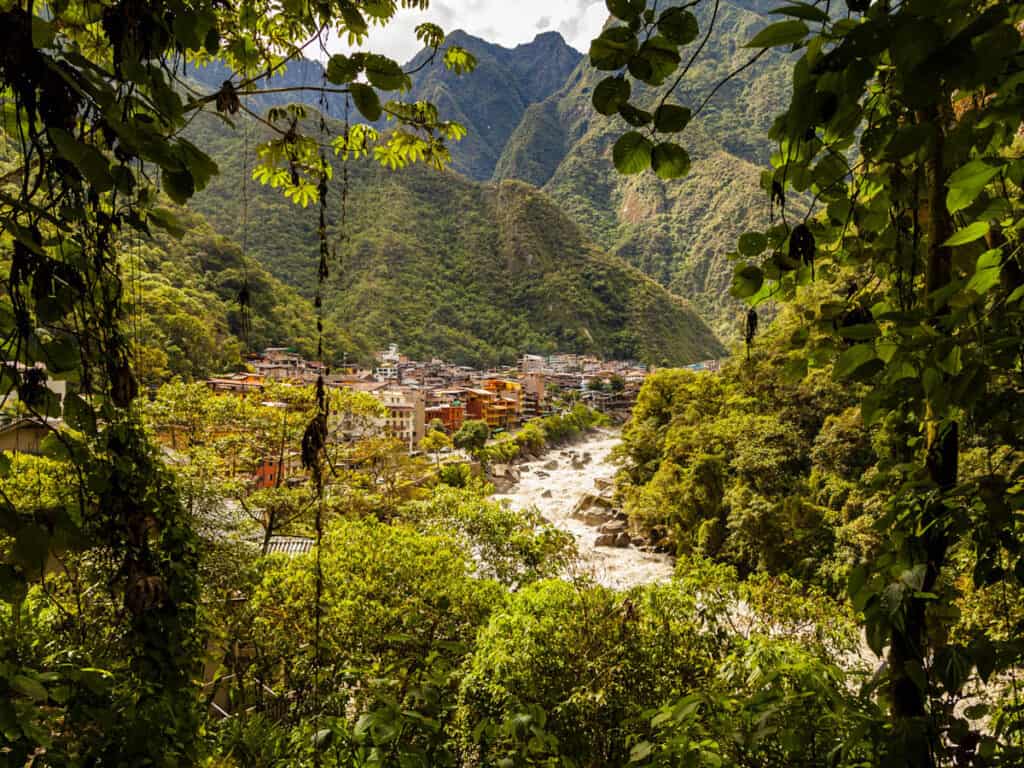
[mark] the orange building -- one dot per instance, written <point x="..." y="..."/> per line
<point x="451" y="415"/>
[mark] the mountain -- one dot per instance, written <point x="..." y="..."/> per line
<point x="678" y="232"/>
<point x="447" y="266"/>
<point x="529" y="115"/>
<point x="183" y="305"/>
<point x="490" y="102"/>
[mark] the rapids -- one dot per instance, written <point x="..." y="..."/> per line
<point x="613" y="567"/>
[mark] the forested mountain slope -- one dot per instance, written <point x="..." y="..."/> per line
<point x="490" y="102"/>
<point x="446" y="266"/>
<point x="678" y="232"/>
<point x="186" y="318"/>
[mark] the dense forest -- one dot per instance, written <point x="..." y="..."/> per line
<point x="842" y="499"/>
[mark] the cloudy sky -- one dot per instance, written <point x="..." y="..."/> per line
<point x="506" y="22"/>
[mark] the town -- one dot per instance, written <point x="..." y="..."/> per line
<point x="420" y="394"/>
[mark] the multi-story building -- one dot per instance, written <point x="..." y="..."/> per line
<point x="284" y="364"/>
<point x="406" y="418"/>
<point x="451" y="415"/>
<point x="508" y="390"/>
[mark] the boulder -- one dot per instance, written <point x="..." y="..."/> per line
<point x="614" y="526"/>
<point x="505" y="470"/>
<point x="622" y="540"/>
<point x="605" y="540"/>
<point x="553" y="464"/>
<point x="546" y="495"/>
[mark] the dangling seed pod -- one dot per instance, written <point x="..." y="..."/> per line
<point x="801" y="247"/>
<point x="750" y="331"/>
<point x="778" y="196"/>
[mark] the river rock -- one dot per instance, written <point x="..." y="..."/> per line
<point x="546" y="495"/>
<point x="541" y="473"/>
<point x="614" y="526"/>
<point x="553" y="464"/>
<point x="508" y="471"/>
<point x="603" y="483"/>
<point x="605" y="540"/>
<point x="622" y="540"/>
<point x="593" y="509"/>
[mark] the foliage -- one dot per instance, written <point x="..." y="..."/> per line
<point x="472" y="435"/>
<point x="514" y="547"/>
<point x="452" y="268"/>
<point x="904" y="127"/>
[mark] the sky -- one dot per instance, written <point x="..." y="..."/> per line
<point x="506" y="22"/>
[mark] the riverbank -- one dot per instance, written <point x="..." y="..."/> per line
<point x="564" y="485"/>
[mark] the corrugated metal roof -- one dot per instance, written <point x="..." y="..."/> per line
<point x="290" y="545"/>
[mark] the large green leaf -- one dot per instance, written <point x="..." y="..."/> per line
<point x="385" y="73"/>
<point x="613" y="49"/>
<point x="752" y="243"/>
<point x="611" y="94"/>
<point x="670" y="161"/>
<point x="671" y="118"/>
<point x="341" y="69"/>
<point x="746" y="281"/>
<point x="627" y="10"/>
<point x="678" y="26"/>
<point x="966" y="184"/>
<point x="655" y="61"/>
<point x="366" y="101"/>
<point x="969" y="234"/>
<point x="986" y="271"/>
<point x="780" y="33"/>
<point x="632" y="153"/>
<point x="853" y="358"/>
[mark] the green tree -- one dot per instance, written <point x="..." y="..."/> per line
<point x="472" y="435"/>
<point x="436" y="441"/>
<point x="903" y="136"/>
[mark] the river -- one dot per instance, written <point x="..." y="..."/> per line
<point x="555" y="491"/>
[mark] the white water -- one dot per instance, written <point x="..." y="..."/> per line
<point x="613" y="567"/>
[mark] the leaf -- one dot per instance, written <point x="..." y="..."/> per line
<point x="627" y="10"/>
<point x="678" y="26"/>
<point x="26" y="686"/>
<point x="802" y="11"/>
<point x="179" y="185"/>
<point x="613" y="48"/>
<point x="966" y="184"/>
<point x="384" y="73"/>
<point x="323" y="738"/>
<point x="670" y="161"/>
<point x="366" y="101"/>
<point x="632" y="153"/>
<point x="655" y="61"/>
<point x="671" y="118"/>
<point x="341" y="70"/>
<point x="986" y="272"/>
<point x="640" y="751"/>
<point x="611" y="94"/>
<point x="968" y="234"/>
<point x="780" y="33"/>
<point x="635" y="117"/>
<point x="746" y="281"/>
<point x="853" y="358"/>
<point x="752" y="243"/>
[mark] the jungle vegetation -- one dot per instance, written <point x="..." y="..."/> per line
<point x="845" y="497"/>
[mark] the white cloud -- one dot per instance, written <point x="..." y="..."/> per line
<point x="505" y="22"/>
